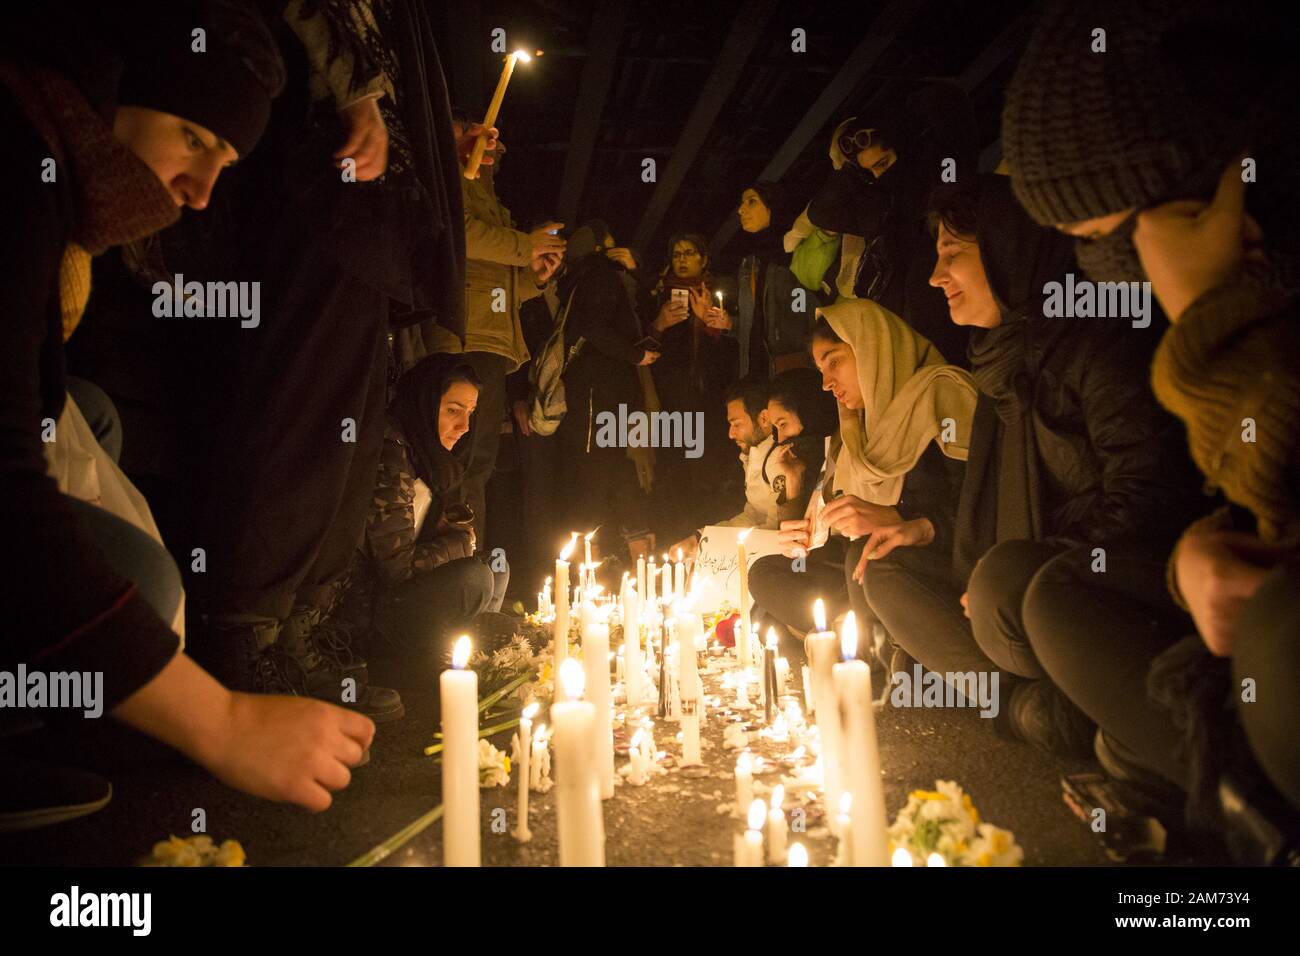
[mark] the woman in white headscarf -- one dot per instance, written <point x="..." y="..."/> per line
<point x="905" y="422"/>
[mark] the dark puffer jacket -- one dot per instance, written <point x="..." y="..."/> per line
<point x="1102" y="463"/>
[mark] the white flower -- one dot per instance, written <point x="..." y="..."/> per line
<point x="493" y="765"/>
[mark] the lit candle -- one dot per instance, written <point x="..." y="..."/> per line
<point x="769" y="675"/>
<point x="901" y="857"/>
<point x="742" y="568"/>
<point x="586" y="545"/>
<point x="632" y="665"/>
<point x="560" y="632"/>
<point x="640" y="574"/>
<point x="807" y="688"/>
<point x="742" y="690"/>
<point x="719" y="295"/>
<point x="458" y="688"/>
<point x="666" y="580"/>
<point x="494" y="107"/>
<point x="861" y="758"/>
<point x="650" y="584"/>
<point x="580" y="819"/>
<point x="595" y="657"/>
<point x="782" y="675"/>
<point x="798" y="856"/>
<point x="688" y="680"/>
<point x="538" y="767"/>
<point x="754" y="835"/>
<point x="822" y="647"/>
<point x="679" y="577"/>
<point x="744" y="782"/>
<point x="935" y="859"/>
<point x="776" y="827"/>
<point x="524" y="744"/>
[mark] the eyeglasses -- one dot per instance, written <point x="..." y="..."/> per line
<point x="685" y="255"/>
<point x="851" y="145"/>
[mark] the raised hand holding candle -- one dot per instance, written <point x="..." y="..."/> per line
<point x="494" y="107"/>
<point x="861" y="757"/>
<point x="458" y="696"/>
<point x="524" y="741"/>
<point x="580" y="820"/>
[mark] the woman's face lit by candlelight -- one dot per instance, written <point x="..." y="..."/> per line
<point x="457" y="405"/>
<point x="186" y="157"/>
<point x="688" y="261"/>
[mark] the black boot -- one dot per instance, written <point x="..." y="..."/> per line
<point x="1038" y="713"/>
<point x="234" y="651"/>
<point x="318" y="661"/>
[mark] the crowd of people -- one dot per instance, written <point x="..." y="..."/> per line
<point x="1104" y="513"/>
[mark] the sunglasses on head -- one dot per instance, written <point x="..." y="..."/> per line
<point x="852" y="144"/>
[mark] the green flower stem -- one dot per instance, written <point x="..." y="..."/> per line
<point x="398" y="839"/>
<point x="432" y="749"/>
<point x="497" y="694"/>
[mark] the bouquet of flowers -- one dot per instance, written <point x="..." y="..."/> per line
<point x="945" y="821"/>
<point x="195" y="851"/>
<point x="506" y="681"/>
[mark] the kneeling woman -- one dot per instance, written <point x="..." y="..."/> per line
<point x="903" y="473"/>
<point x="418" y="582"/>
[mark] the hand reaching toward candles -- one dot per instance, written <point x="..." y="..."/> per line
<point x="853" y="517"/>
<point x="367" y="142"/>
<point x="909" y="534"/>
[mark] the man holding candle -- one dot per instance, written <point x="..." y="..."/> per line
<point x="504" y="267"/>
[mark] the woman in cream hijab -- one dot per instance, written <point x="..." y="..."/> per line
<point x="905" y="421"/>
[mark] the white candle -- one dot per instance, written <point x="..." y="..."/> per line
<point x="666" y="580"/>
<point x="631" y="642"/>
<point x="744" y="782"/>
<point x="650" y="584"/>
<point x="679" y="577"/>
<point x="689" y="681"/>
<point x="525" y="744"/>
<point x="458" y="688"/>
<point x="807" y="689"/>
<point x="782" y="675"/>
<point x="640" y="574"/>
<point x="845" y="820"/>
<point x="823" y="648"/>
<point x="798" y="856"/>
<point x="742" y="690"/>
<point x="901" y="857"/>
<point x="742" y="569"/>
<point x="586" y="545"/>
<point x="580" y="819"/>
<point x="935" y="859"/>
<point x="595" y="657"/>
<point x="776" y="827"/>
<point x="754" y="835"/>
<point x="560" y="632"/>
<point x="538" y="762"/>
<point x="861" y="766"/>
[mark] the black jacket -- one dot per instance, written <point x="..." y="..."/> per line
<point x="604" y="371"/>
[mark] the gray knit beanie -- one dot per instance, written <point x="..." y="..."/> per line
<point x="1087" y="134"/>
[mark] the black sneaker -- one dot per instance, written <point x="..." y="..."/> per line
<point x="314" y="660"/>
<point x="34" y="794"/>
<point x="1038" y="713"/>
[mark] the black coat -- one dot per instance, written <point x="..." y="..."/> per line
<point x="604" y="371"/>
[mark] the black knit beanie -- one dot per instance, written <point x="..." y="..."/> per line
<point x="227" y="88"/>
<point x="1087" y="134"/>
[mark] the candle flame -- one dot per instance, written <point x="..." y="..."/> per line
<point x="679" y="555"/>
<point x="778" y="796"/>
<point x="849" y="637"/>
<point x="521" y="55"/>
<point x="530" y="711"/>
<point x="548" y="582"/>
<point x="460" y="653"/>
<point x="665" y="560"/>
<point x="901" y="857"/>
<point x="539" y="735"/>
<point x="819" y="614"/>
<point x="771" y="639"/>
<point x="568" y="548"/>
<point x="798" y="856"/>
<point x="743" y="535"/>
<point x="745" y="764"/>
<point x="846" y="803"/>
<point x="757" y="814"/>
<point x="591" y="534"/>
<point x="935" y="859"/>
<point x="572" y="678"/>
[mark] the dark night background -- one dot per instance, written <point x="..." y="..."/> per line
<point x="711" y="90"/>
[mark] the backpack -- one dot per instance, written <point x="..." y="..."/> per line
<point x="546" y="376"/>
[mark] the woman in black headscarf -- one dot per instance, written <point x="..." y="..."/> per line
<point x="1070" y="459"/>
<point x="416" y="580"/>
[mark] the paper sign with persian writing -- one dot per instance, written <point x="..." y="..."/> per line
<point x="717" y="560"/>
